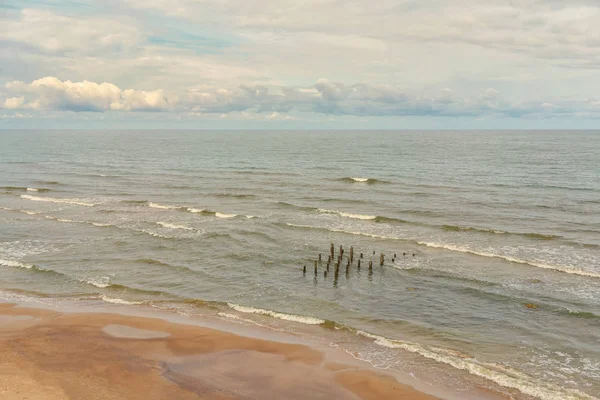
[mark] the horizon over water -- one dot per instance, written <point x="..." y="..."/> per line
<point x="499" y="286"/>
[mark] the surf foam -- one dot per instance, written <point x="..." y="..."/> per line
<point x="347" y="215"/>
<point x="499" y="374"/>
<point x="288" y="317"/>
<point x="174" y="226"/>
<point x="57" y="200"/>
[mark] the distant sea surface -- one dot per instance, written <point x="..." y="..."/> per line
<point x="495" y="282"/>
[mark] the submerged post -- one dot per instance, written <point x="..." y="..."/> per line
<point x="370" y="265"/>
<point x="331" y="251"/>
<point x="351" y="254"/>
<point x="319" y="257"/>
<point x="358" y="264"/>
<point x="315" y="268"/>
<point x="304" y="270"/>
<point x="381" y="259"/>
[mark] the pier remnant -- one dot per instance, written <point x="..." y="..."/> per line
<point x="381" y="259"/>
<point x="315" y="268"/>
<point x="304" y="270"/>
<point x="351" y="254"/>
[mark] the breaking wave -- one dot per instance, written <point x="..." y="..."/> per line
<point x="369" y="181"/>
<point x="57" y="200"/>
<point x="288" y="317"/>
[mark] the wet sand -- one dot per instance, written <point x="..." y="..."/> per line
<point x="53" y="355"/>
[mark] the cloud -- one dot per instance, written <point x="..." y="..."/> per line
<point x="50" y="93"/>
<point x="53" y="33"/>
<point x="270" y="102"/>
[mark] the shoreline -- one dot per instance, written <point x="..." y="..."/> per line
<point x="125" y="353"/>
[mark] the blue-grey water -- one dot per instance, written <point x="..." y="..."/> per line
<point x="495" y="283"/>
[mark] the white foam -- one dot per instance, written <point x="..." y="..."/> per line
<point x="221" y="215"/>
<point x="195" y="210"/>
<point x="533" y="263"/>
<point x="347" y="215"/>
<point x="499" y="374"/>
<point x="15" y="264"/>
<point x="151" y="233"/>
<point x="119" y="301"/>
<point x="360" y="179"/>
<point x="30" y="212"/>
<point x="371" y="235"/>
<point x="288" y="317"/>
<point x="32" y="190"/>
<point x="173" y="226"/>
<point x="99" y="282"/>
<point x="57" y="200"/>
<point x="162" y="206"/>
<point x="101" y="225"/>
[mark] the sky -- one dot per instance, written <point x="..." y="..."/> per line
<point x="290" y="64"/>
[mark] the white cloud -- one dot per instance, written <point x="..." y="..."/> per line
<point x="53" y="33"/>
<point x="50" y="93"/>
<point x="14" y="103"/>
<point x="262" y="102"/>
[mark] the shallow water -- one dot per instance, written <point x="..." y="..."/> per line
<point x="502" y="289"/>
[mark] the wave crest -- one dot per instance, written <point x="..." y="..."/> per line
<point x="57" y="200"/>
<point x="288" y="317"/>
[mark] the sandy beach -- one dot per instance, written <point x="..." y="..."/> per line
<point x="51" y="355"/>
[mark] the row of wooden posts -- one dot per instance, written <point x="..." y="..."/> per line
<point x="350" y="260"/>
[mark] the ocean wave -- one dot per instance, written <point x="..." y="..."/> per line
<point x="115" y="300"/>
<point x="347" y="215"/>
<point x="460" y="249"/>
<point x="197" y="210"/>
<point x="30" y="267"/>
<point x="16" y="264"/>
<point x="499" y="374"/>
<point x="57" y="200"/>
<point x="288" y="317"/>
<point x="164" y="207"/>
<point x="154" y="234"/>
<point x="369" y="181"/>
<point x="174" y="226"/>
<point x="221" y="215"/>
<point x="558" y="268"/>
<point x="100" y="282"/>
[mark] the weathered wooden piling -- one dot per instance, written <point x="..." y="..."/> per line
<point x="358" y="264"/>
<point x="331" y="251"/>
<point x="325" y="274"/>
<point x="394" y="255"/>
<point x="351" y="254"/>
<point x="413" y="254"/>
<point x="381" y="259"/>
<point x="373" y="252"/>
<point x="304" y="270"/>
<point x="370" y="265"/>
<point x="361" y="255"/>
<point x="319" y="257"/>
<point x="404" y="254"/>
<point x="315" y="268"/>
<point x="341" y="251"/>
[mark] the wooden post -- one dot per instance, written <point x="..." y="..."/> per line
<point x="304" y="270"/>
<point x="315" y="268"/>
<point x="370" y="265"/>
<point x="341" y="251"/>
<point x="325" y="274"/>
<point x="373" y="252"/>
<point x="381" y="259"/>
<point x="319" y="257"/>
<point x="394" y="255"/>
<point x="404" y="254"/>
<point x="361" y="255"/>
<point x="358" y="264"/>
<point x="331" y="251"/>
<point x="351" y="254"/>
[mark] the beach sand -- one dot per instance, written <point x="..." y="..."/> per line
<point x="45" y="354"/>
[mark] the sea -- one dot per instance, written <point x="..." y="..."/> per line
<point x="491" y="241"/>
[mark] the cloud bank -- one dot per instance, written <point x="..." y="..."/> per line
<point x="323" y="97"/>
